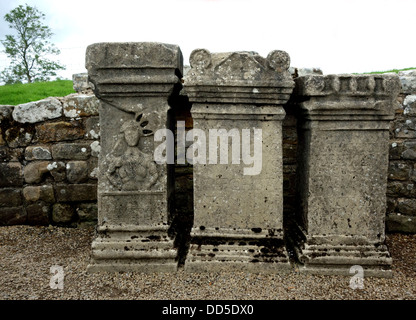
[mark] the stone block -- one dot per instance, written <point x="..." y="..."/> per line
<point x="92" y="127"/>
<point x="409" y="105"/>
<point x="80" y="82"/>
<point x="396" y="150"/>
<point x="43" y="193"/>
<point x="6" y="113"/>
<point x="400" y="223"/>
<point x="71" y="151"/>
<point x="413" y="175"/>
<point x="75" y="192"/>
<point x="11" y="154"/>
<point x="88" y="212"/>
<point x="308" y="71"/>
<point x="391" y="205"/>
<point x="408" y="82"/>
<point x="4" y="153"/>
<point x="95" y="148"/>
<point x="401" y="125"/>
<point x="407" y="206"/>
<point x="409" y="152"/>
<point x="38" y="153"/>
<point x="34" y="171"/>
<point x="93" y="169"/>
<point x="60" y="131"/>
<point x="80" y="105"/>
<point x="2" y="141"/>
<point x="38" y="213"/>
<point x="11" y="174"/>
<point x="405" y="133"/>
<point x="62" y="213"/>
<point x="37" y="111"/>
<point x="10" y="197"/>
<point x="399" y="170"/>
<point x="12" y="216"/>
<point x="19" y="136"/>
<point x="400" y="189"/>
<point x="57" y="170"/>
<point x="77" y="171"/>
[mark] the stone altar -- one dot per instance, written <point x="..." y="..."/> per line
<point x="237" y="105"/>
<point x="343" y="132"/>
<point x="134" y="82"/>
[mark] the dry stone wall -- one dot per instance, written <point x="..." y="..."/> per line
<point x="48" y="168"/>
<point x="401" y="187"/>
<point x="49" y="150"/>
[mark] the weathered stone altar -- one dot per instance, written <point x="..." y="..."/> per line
<point x="237" y="101"/>
<point x="133" y="82"/>
<point x="343" y="132"/>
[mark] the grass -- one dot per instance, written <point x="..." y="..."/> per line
<point x="388" y="71"/>
<point x="21" y="93"/>
<point x="15" y="94"/>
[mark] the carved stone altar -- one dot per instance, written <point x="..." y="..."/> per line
<point x="133" y="82"/>
<point x="238" y="222"/>
<point x="343" y="130"/>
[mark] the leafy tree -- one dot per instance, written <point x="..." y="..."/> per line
<point x="29" y="48"/>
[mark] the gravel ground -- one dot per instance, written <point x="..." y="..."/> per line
<point x="27" y="253"/>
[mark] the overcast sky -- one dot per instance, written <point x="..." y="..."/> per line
<point x="338" y="36"/>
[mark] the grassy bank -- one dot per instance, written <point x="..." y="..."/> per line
<point x="21" y="93"/>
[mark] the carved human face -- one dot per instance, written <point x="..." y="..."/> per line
<point x="132" y="136"/>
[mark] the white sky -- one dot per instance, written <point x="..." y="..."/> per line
<point x="339" y="36"/>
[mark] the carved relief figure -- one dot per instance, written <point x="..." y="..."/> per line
<point x="133" y="169"/>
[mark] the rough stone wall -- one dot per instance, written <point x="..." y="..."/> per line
<point x="401" y="188"/>
<point x="48" y="160"/>
<point x="49" y="150"/>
